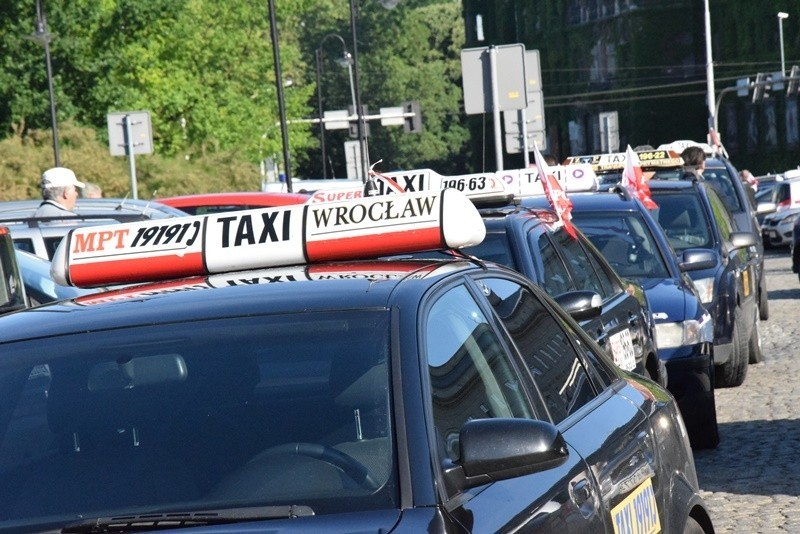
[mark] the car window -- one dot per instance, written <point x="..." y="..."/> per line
<point x="625" y="241"/>
<point x="721" y="216"/>
<point x="494" y="247"/>
<point x="722" y="182"/>
<point x="24" y="244"/>
<point x="682" y="218"/>
<point x="580" y="266"/>
<point x="471" y="374"/>
<point x="551" y="359"/>
<point x="277" y="409"/>
<point x="554" y="273"/>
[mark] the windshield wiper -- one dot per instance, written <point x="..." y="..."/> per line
<point x="168" y="520"/>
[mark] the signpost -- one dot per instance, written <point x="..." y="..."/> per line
<point x="129" y="133"/>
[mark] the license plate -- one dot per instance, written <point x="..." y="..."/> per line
<point x="773" y="234"/>
<point x="622" y="350"/>
<point x="638" y="513"/>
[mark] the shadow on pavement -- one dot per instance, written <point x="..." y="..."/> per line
<point x="754" y="457"/>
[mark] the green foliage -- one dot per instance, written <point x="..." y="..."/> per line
<point x="205" y="72"/>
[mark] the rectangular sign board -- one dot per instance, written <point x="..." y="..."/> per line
<point x="510" y="79"/>
<point x="138" y="123"/>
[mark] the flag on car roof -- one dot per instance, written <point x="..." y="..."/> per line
<point x="555" y="194"/>
<point x="633" y="179"/>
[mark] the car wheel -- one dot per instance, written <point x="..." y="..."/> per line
<point x="704" y="432"/>
<point x="754" y="345"/>
<point x="763" y="300"/>
<point x="732" y="373"/>
<point x="692" y="527"/>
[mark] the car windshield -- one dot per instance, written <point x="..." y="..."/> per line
<point x="625" y="241"/>
<point x="494" y="247"/>
<point x="683" y="220"/>
<point x="217" y="414"/>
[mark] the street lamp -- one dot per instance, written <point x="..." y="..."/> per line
<point x="781" y="17"/>
<point x="347" y="60"/>
<point x="42" y="37"/>
<point x="273" y="26"/>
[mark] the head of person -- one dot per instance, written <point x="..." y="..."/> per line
<point x="60" y="185"/>
<point x="91" y="190"/>
<point x="695" y="158"/>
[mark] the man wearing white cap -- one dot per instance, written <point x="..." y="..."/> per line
<point x="59" y="191"/>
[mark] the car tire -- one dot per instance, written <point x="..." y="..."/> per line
<point x="733" y="372"/>
<point x="754" y="345"/>
<point x="704" y="433"/>
<point x="763" y="300"/>
<point x="692" y="527"/>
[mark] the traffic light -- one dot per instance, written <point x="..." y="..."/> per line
<point x="793" y="81"/>
<point x="412" y="124"/>
<point x="354" y="123"/>
<point x="762" y="86"/>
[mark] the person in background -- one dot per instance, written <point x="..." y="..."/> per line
<point x="91" y="190"/>
<point x="59" y="192"/>
<point x="750" y="185"/>
<point x="694" y="162"/>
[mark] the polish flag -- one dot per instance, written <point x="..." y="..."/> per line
<point x="555" y="194"/>
<point x="633" y="180"/>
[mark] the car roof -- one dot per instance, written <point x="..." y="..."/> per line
<point x="240" y="198"/>
<point x="362" y="284"/>
<point x="24" y="209"/>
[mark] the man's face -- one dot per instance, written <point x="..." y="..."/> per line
<point x="70" y="197"/>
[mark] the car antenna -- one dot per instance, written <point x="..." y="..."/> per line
<point x="122" y="202"/>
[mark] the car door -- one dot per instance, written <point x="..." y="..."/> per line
<point x="608" y="431"/>
<point x="472" y="375"/>
<point x="619" y="328"/>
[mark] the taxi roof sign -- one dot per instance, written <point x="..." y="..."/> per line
<point x="270" y="237"/>
<point x="682" y="144"/>
<point x="648" y="159"/>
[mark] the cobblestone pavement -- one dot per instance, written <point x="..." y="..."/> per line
<point x="751" y="482"/>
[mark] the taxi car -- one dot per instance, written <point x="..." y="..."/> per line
<point x="624" y="231"/>
<point x="203" y="203"/>
<point x="702" y="232"/>
<point x="531" y="241"/>
<point x="665" y="163"/>
<point x="327" y="392"/>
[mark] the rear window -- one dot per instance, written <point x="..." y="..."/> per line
<point x="267" y="410"/>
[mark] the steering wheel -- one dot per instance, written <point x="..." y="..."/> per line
<point x="344" y="462"/>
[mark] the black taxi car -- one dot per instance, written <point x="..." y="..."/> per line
<point x="702" y="232"/>
<point x="335" y="394"/>
<point x="636" y="246"/>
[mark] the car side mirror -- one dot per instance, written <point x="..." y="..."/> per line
<point x="695" y="259"/>
<point x="741" y="240"/>
<point x="765" y="207"/>
<point x="503" y="448"/>
<point x="581" y="305"/>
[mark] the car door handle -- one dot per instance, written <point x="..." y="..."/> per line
<point x="633" y="319"/>
<point x="581" y="493"/>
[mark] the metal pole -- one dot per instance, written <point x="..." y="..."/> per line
<point x="318" y="58"/>
<point x="126" y="121"/>
<point x="279" y="84"/>
<point x="709" y="69"/>
<point x="781" y="16"/>
<point x="43" y="37"/>
<point x="357" y="96"/>
<point x="498" y="141"/>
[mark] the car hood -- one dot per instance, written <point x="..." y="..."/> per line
<point x="671" y="301"/>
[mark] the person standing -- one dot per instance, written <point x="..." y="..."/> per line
<point x="59" y="192"/>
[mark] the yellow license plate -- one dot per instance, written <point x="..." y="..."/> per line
<point x="638" y="513"/>
<point x="746" y="281"/>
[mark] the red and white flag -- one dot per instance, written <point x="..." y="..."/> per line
<point x="555" y="194"/>
<point x="633" y="180"/>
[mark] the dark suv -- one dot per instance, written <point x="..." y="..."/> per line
<point x="635" y="245"/>
<point x="725" y="273"/>
<point x="612" y="310"/>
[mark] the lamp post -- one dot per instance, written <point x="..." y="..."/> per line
<point x="281" y="102"/>
<point x="346" y="59"/>
<point x="43" y="37"/>
<point x="781" y="17"/>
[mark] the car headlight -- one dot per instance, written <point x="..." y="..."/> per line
<point x="689" y="332"/>
<point x="705" y="289"/>
<point x="790" y="219"/>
